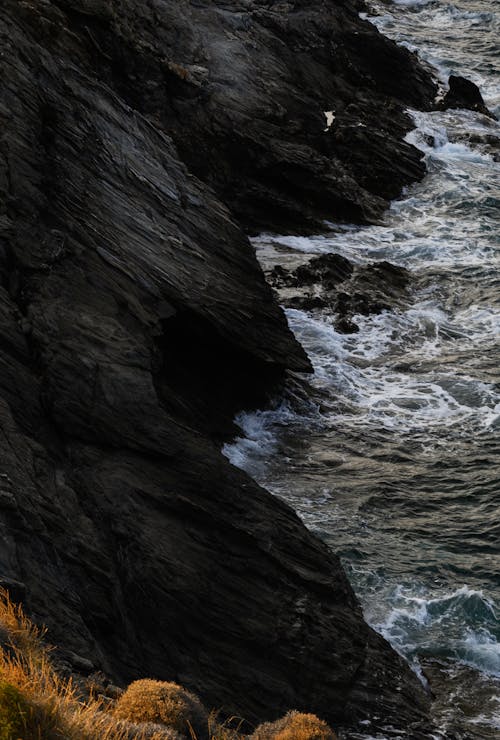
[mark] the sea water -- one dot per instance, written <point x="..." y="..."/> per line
<point x="393" y="454"/>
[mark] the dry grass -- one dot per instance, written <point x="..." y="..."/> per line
<point x="50" y="709"/>
<point x="295" y="726"/>
<point x="164" y="703"/>
<point x="14" y="712"/>
<point x="229" y="729"/>
<point x="18" y="630"/>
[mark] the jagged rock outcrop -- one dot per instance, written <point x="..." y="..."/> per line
<point x="463" y="93"/>
<point x="135" y="320"/>
<point x="243" y="87"/>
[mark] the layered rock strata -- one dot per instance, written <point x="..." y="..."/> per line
<point x="135" y="321"/>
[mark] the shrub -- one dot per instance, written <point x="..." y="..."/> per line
<point x="163" y="702"/>
<point x="295" y="726"/>
<point x="15" y="712"/>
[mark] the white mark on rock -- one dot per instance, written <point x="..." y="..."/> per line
<point x="330" y="117"/>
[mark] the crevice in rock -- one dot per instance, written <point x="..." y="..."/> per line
<point x="205" y="379"/>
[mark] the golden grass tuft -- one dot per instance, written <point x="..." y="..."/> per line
<point x="17" y="630"/>
<point x="164" y="703"/>
<point x="229" y="729"/>
<point x="295" y="726"/>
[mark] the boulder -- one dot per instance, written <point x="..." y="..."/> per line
<point x="463" y="93"/>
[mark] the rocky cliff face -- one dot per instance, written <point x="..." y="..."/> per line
<point x="135" y="321"/>
<point x="243" y="87"/>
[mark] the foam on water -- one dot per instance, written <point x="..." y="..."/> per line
<point x="423" y="230"/>
<point x="375" y="392"/>
<point x="466" y="618"/>
<point x="394" y="459"/>
<point x="261" y="431"/>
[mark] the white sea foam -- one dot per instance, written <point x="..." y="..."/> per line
<point x="423" y="230"/>
<point x="413" y="3"/>
<point x="430" y="27"/>
<point x="412" y="374"/>
<point x="260" y="438"/>
<point x="454" y="624"/>
<point x="379" y="393"/>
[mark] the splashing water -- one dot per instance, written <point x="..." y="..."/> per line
<point x="393" y="458"/>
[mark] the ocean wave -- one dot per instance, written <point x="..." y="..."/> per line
<point x="461" y="625"/>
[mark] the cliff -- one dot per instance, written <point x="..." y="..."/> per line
<point x="135" y="321"/>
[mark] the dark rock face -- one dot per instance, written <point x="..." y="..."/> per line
<point x="135" y="320"/>
<point x="242" y="88"/>
<point x="463" y="93"/>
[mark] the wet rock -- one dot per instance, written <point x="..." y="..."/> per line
<point x="350" y="304"/>
<point x="332" y="283"/>
<point x="279" y="277"/>
<point x="489" y="143"/>
<point x="388" y="282"/>
<point x="328" y="269"/>
<point x="381" y="162"/>
<point x="463" y="93"/>
<point x="374" y="288"/>
<point x="346" y="326"/>
<point x="307" y="302"/>
<point x="492" y="140"/>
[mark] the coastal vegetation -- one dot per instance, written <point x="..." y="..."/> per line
<point x="37" y="703"/>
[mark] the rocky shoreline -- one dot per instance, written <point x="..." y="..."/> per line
<point x="139" y="141"/>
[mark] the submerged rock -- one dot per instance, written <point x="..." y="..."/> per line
<point x="346" y="326"/>
<point x="374" y="288"/>
<point x="329" y="270"/>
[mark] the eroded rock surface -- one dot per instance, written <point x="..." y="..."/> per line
<point x="135" y="320"/>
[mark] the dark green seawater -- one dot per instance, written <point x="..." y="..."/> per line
<point x="394" y="456"/>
